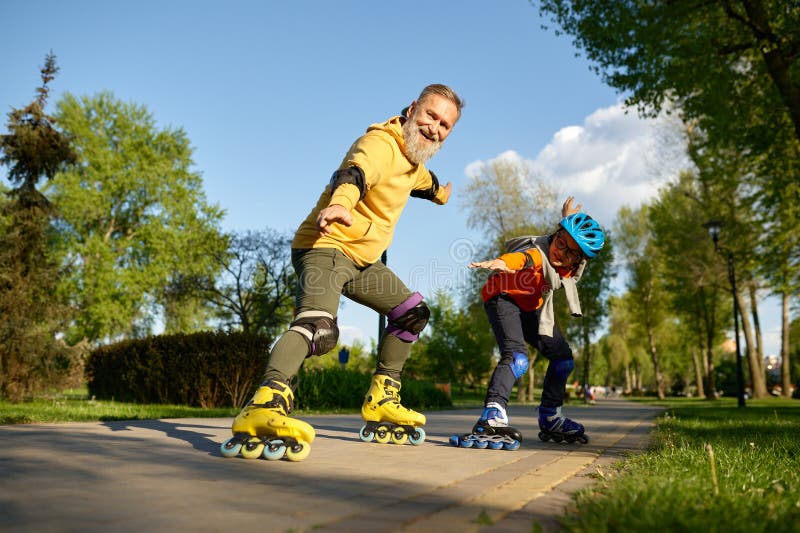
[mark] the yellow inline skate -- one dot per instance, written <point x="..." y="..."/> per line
<point x="263" y="428"/>
<point x="387" y="420"/>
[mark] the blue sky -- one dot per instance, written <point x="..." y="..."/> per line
<point x="271" y="95"/>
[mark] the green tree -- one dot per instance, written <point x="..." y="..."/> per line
<point x="625" y="340"/>
<point x="32" y="357"/>
<point x="256" y="287"/>
<point x="726" y="191"/>
<point x="457" y="345"/>
<point x="691" y="276"/>
<point x="593" y="287"/>
<point x="779" y="208"/>
<point x="504" y="199"/>
<point x="731" y="65"/>
<point x="133" y="216"/>
<point x="644" y="282"/>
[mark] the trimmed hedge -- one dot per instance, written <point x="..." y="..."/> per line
<point x="214" y="369"/>
<point x="208" y="369"/>
<point x="334" y="388"/>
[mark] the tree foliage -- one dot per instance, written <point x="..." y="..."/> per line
<point x="594" y="287"/>
<point x="504" y="199"/>
<point x="457" y="345"/>
<point x="731" y="65"/>
<point x="255" y="291"/>
<point x="133" y="216"/>
<point x="32" y="357"/>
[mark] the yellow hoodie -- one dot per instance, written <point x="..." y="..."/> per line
<point x="390" y="177"/>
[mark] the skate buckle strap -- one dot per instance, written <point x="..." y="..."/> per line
<point x="388" y="399"/>
<point x="390" y="383"/>
<point x="278" y="401"/>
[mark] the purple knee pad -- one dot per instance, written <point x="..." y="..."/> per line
<point x="409" y="318"/>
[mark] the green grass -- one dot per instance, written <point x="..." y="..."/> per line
<point x="76" y="406"/>
<point x="672" y="487"/>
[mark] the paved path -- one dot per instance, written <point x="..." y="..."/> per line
<point x="168" y="475"/>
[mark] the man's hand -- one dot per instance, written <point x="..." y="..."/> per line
<point x="447" y="190"/>
<point x="497" y="265"/>
<point x="329" y="215"/>
<point x="567" y="209"/>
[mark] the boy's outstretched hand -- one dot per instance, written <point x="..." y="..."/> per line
<point x="497" y="265"/>
<point x="567" y="209"/>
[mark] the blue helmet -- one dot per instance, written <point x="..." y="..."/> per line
<point x="585" y="231"/>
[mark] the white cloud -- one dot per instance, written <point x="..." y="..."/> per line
<point x="613" y="159"/>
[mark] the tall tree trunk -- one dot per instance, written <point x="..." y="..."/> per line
<point x="708" y="367"/>
<point x="757" y="377"/>
<point x="521" y="388"/>
<point x="698" y="371"/>
<point x="656" y="366"/>
<point x="586" y="353"/>
<point x="756" y="323"/>
<point x="786" y="378"/>
<point x="531" y="381"/>
<point x="628" y="381"/>
<point x="707" y="353"/>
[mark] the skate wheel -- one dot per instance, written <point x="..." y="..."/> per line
<point x="495" y="445"/>
<point x="230" y="448"/>
<point x="382" y="436"/>
<point x="557" y="438"/>
<point x="299" y="451"/>
<point x="418" y="437"/>
<point x="511" y="446"/>
<point x="465" y="443"/>
<point x="274" y="451"/>
<point x="543" y="437"/>
<point x="253" y="448"/>
<point x="365" y="435"/>
<point x="481" y="444"/>
<point x="399" y="436"/>
<point x="583" y="439"/>
<point x="454" y="440"/>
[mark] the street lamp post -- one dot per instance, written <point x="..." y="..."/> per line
<point x="382" y="318"/>
<point x="714" y="228"/>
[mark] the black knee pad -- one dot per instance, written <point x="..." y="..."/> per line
<point x="318" y="328"/>
<point x="409" y="318"/>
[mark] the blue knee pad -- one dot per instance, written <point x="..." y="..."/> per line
<point x="563" y="368"/>
<point x="519" y="364"/>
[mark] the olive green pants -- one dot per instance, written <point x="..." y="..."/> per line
<point x="324" y="275"/>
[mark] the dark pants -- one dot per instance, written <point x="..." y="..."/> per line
<point x="324" y="275"/>
<point x="513" y="328"/>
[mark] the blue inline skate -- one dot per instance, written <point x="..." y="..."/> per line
<point x="556" y="427"/>
<point x="490" y="431"/>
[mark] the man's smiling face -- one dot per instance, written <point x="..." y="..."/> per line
<point x="429" y="122"/>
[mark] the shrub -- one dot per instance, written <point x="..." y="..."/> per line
<point x="223" y="370"/>
<point x="334" y="388"/>
<point x="207" y="369"/>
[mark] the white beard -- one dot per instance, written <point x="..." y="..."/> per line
<point x="418" y="151"/>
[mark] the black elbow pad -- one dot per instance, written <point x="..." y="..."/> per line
<point x="428" y="194"/>
<point x="353" y="175"/>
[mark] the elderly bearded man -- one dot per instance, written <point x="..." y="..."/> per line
<point x="336" y="251"/>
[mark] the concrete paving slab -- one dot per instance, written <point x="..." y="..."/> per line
<point x="159" y="475"/>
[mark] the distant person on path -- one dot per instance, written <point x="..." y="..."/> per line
<point x="336" y="251"/>
<point x="518" y="302"/>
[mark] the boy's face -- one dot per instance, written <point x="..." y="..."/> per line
<point x="564" y="251"/>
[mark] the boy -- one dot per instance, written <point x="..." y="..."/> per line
<point x="518" y="302"/>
